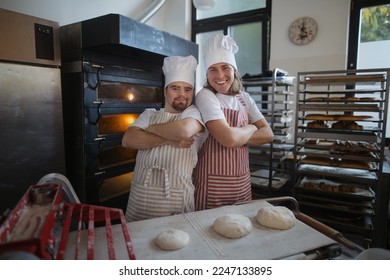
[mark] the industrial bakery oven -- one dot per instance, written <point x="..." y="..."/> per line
<point x="111" y="73"/>
<point x="114" y="97"/>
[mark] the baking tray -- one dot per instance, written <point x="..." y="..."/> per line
<point x="339" y="162"/>
<point x="366" y="131"/>
<point x="342" y="135"/>
<point x="363" y="107"/>
<point x="341" y="79"/>
<point x="260" y="179"/>
<point x="348" y="224"/>
<point x="337" y="145"/>
<point x="363" y="192"/>
<point x="341" y="203"/>
<point x="345" y="91"/>
<point x="360" y="176"/>
<point x="337" y="99"/>
<point x="336" y="117"/>
<point x="205" y="243"/>
<point x="263" y="81"/>
<point x="341" y="211"/>
<point x="348" y="155"/>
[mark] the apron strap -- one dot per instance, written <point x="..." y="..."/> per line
<point x="242" y="102"/>
<point x="188" y="199"/>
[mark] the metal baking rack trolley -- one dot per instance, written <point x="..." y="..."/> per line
<point x="43" y="224"/>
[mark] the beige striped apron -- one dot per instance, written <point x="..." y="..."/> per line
<point x="162" y="183"/>
<point x="222" y="175"/>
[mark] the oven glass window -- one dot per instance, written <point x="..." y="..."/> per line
<point x="115" y="186"/>
<point x="128" y="92"/>
<point x="115" y="156"/>
<point x="115" y="123"/>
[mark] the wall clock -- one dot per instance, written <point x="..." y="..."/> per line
<point x="303" y="30"/>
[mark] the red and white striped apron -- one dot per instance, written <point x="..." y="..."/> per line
<point x="222" y="175"/>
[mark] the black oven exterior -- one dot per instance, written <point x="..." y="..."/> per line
<point x="106" y="84"/>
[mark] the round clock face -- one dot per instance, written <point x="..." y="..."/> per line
<point x="303" y="30"/>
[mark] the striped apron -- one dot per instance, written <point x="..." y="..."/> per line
<point x="162" y="183"/>
<point x="222" y="175"/>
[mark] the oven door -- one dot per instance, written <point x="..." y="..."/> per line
<point x="114" y="97"/>
<point x="114" y="86"/>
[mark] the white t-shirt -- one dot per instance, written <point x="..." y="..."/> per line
<point x="143" y="121"/>
<point x="210" y="104"/>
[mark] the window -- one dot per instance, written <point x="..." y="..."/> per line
<point x="226" y="7"/>
<point x="369" y="39"/>
<point x="247" y="22"/>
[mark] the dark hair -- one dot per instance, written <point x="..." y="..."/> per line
<point x="235" y="88"/>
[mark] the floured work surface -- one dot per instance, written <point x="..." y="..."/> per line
<point x="205" y="243"/>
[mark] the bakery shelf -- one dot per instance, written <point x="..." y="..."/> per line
<point x="259" y="179"/>
<point x="336" y="188"/>
<point x="342" y="135"/>
<point x="346" y="79"/>
<point x="322" y="160"/>
<point x="350" y="203"/>
<point x="339" y="139"/>
<point x="339" y="208"/>
<point x="274" y="97"/>
<point x="360" y="227"/>
<point x="364" y="131"/>
<point x="260" y="92"/>
<point x="362" y="107"/>
<point x="347" y="174"/>
<point x="359" y="146"/>
<point x="269" y="81"/>
<point x="340" y="155"/>
<point x="344" y="91"/>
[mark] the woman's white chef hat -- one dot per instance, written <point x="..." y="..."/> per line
<point x="220" y="48"/>
<point x="179" y="69"/>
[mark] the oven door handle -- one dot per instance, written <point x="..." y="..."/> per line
<point x="97" y="116"/>
<point x="99" y="139"/>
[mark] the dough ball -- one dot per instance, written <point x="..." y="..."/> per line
<point x="276" y="217"/>
<point x="172" y="239"/>
<point x="232" y="225"/>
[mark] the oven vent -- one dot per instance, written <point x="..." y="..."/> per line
<point x="118" y="35"/>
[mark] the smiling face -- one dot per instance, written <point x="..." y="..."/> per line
<point x="178" y="96"/>
<point x="221" y="77"/>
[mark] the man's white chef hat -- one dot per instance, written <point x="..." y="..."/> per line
<point x="220" y="48"/>
<point x="179" y="69"/>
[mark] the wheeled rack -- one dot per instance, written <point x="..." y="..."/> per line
<point x="339" y="150"/>
<point x="268" y="165"/>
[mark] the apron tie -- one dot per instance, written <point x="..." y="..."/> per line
<point x="188" y="199"/>
<point x="166" y="179"/>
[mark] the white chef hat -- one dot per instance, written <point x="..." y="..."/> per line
<point x="220" y="48"/>
<point x="179" y="69"/>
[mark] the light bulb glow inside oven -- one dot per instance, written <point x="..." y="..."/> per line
<point x="131" y="119"/>
<point x="130" y="96"/>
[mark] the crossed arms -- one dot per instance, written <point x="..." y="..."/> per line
<point x="177" y="133"/>
<point x="255" y="134"/>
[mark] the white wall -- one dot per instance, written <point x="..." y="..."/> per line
<point x="65" y="12"/>
<point x="326" y="52"/>
<point x="173" y="17"/>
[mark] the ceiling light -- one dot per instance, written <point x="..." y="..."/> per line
<point x="204" y="5"/>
